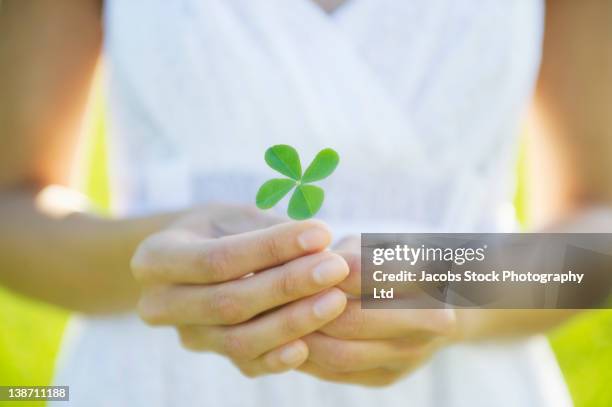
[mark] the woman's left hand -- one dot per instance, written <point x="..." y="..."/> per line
<point x="374" y="347"/>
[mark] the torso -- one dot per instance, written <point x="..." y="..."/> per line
<point x="422" y="100"/>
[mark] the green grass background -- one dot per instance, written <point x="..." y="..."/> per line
<point x="30" y="332"/>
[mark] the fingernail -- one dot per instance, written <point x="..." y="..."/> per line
<point x="329" y="305"/>
<point x="291" y="355"/>
<point x="330" y="271"/>
<point x="311" y="239"/>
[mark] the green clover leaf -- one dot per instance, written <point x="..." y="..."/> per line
<point x="273" y="191"/>
<point x="322" y="166"/>
<point x="305" y="202"/>
<point x="306" y="199"/>
<point x="284" y="159"/>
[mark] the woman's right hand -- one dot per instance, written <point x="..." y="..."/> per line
<point x="249" y="296"/>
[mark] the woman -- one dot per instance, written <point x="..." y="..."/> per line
<point x="421" y="99"/>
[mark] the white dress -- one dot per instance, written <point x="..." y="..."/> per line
<point x="422" y="100"/>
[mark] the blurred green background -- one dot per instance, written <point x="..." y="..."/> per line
<point x="30" y="332"/>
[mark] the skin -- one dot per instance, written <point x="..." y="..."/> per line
<point x="330" y="6"/>
<point x="197" y="284"/>
<point x="235" y="281"/>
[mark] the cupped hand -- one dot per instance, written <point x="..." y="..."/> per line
<point x="374" y="347"/>
<point x="227" y="294"/>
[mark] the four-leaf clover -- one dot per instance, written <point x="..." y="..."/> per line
<point x="306" y="199"/>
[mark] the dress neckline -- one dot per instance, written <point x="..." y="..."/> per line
<point x="336" y="7"/>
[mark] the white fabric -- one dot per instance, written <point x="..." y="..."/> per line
<point x="421" y="99"/>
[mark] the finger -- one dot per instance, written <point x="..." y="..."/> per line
<point x="254" y="338"/>
<point x="374" y="377"/>
<point x="182" y="257"/>
<point x="352" y="283"/>
<point x="230" y="219"/>
<point x="414" y="324"/>
<point x="282" y="359"/>
<point x="340" y="355"/>
<point x="240" y="300"/>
